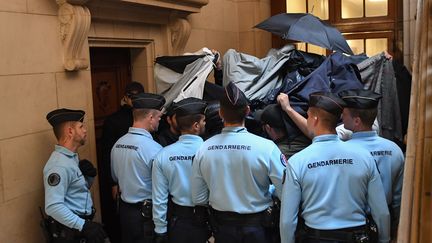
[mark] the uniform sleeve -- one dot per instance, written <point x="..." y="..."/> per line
<point x="379" y="210"/>
<point x="277" y="166"/>
<point x="113" y="173"/>
<point x="56" y="183"/>
<point x="159" y="196"/>
<point x="397" y="188"/>
<point x="291" y="196"/>
<point x="199" y="188"/>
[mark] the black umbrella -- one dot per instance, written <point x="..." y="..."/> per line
<point x="306" y="28"/>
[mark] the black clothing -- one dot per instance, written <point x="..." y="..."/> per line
<point x="115" y="126"/>
<point x="165" y="137"/>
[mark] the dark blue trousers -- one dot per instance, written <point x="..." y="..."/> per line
<point x="186" y="230"/>
<point x="242" y="234"/>
<point x="135" y="229"/>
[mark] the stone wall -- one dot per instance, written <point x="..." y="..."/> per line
<point x="226" y="24"/>
<point x="33" y="81"/>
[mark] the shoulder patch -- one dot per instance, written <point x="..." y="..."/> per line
<point x="283" y="160"/>
<point x="53" y="179"/>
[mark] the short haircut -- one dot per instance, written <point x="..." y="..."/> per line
<point x="59" y="129"/>
<point x="184" y="123"/>
<point x="328" y="119"/>
<point x="367" y="116"/>
<point x="139" y="114"/>
<point x="233" y="114"/>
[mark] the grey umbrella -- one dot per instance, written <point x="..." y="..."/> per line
<point x="306" y="28"/>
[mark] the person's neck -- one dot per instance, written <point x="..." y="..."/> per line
<point x="363" y="129"/>
<point x="70" y="145"/>
<point x="234" y="124"/>
<point x="324" y="131"/>
<point x="142" y="125"/>
<point x="190" y="133"/>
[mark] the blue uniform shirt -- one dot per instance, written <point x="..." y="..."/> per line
<point x="390" y="161"/>
<point x="131" y="164"/>
<point x="232" y="171"/>
<point x="333" y="182"/>
<point x="172" y="169"/>
<point x="66" y="190"/>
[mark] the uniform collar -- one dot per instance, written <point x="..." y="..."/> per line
<point x="190" y="137"/>
<point x="365" y="134"/>
<point x="65" y="151"/>
<point x="325" y="137"/>
<point x="234" y="129"/>
<point x="139" y="131"/>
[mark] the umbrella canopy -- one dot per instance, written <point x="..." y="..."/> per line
<point x="306" y="28"/>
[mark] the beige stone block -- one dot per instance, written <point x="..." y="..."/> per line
<point x="41" y="53"/>
<point x="20" y="219"/>
<point x="49" y="7"/>
<point x="104" y="29"/>
<point x="263" y="43"/>
<point x="222" y="40"/>
<point x="23" y="159"/>
<point x="122" y="30"/>
<point x="13" y="6"/>
<point x="26" y="99"/>
<point x="246" y="16"/>
<point x="74" y="91"/>
<point x="247" y="40"/>
<point x="209" y="17"/>
<point x="196" y="41"/>
<point x="263" y="11"/>
<point x="230" y="18"/>
<point x="1" y="183"/>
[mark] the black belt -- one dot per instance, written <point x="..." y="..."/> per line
<point x="345" y="234"/>
<point x="183" y="211"/>
<point x="233" y="218"/>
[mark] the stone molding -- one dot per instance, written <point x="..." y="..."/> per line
<point x="180" y="30"/>
<point x="75" y="18"/>
<point x="74" y="27"/>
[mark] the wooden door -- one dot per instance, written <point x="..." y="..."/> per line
<point x="110" y="71"/>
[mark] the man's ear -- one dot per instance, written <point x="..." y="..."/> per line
<point x="247" y="110"/>
<point x="357" y="121"/>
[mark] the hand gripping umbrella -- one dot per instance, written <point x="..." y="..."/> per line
<point x="306" y="28"/>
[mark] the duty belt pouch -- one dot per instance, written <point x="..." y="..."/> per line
<point x="269" y="218"/>
<point x="146" y="209"/>
<point x="361" y="237"/>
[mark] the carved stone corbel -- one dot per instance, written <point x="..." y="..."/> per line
<point x="74" y="20"/>
<point x="180" y="30"/>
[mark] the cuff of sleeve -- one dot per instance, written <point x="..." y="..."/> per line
<point x="160" y="229"/>
<point x="80" y="224"/>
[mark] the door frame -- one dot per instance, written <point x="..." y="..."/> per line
<point x="142" y="57"/>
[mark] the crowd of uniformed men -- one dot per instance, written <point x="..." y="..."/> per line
<point x="235" y="186"/>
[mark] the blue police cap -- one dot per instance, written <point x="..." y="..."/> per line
<point x="189" y="106"/>
<point x="147" y="101"/>
<point x="59" y="116"/>
<point x="327" y="101"/>
<point x="360" y="98"/>
<point x="233" y="96"/>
